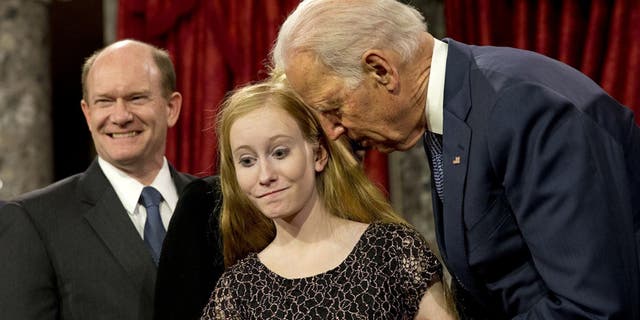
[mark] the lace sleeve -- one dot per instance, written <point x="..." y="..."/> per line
<point x="416" y="269"/>
<point x="222" y="304"/>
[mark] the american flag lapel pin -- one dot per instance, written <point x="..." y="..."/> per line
<point x="456" y="160"/>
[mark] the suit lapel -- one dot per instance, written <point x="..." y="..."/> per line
<point x="180" y="179"/>
<point x="456" y="144"/>
<point x="455" y="155"/>
<point x="110" y="221"/>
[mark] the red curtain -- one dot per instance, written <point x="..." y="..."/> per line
<point x="216" y="46"/>
<point x="601" y="38"/>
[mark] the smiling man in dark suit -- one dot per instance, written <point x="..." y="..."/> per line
<point x="536" y="175"/>
<point x="87" y="247"/>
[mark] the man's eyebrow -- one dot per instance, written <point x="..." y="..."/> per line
<point x="137" y="93"/>
<point x="100" y="96"/>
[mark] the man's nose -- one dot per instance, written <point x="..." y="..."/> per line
<point x="121" y="114"/>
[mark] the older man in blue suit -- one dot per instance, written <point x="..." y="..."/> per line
<point x="536" y="169"/>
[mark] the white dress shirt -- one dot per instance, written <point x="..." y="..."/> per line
<point x="129" y="189"/>
<point x="435" y="89"/>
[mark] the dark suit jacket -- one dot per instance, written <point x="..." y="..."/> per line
<point x="542" y="187"/>
<point x="191" y="261"/>
<point x="69" y="251"/>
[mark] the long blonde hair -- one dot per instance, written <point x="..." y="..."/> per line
<point x="342" y="186"/>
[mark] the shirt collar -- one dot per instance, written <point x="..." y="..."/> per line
<point x="128" y="189"/>
<point x="434" y="108"/>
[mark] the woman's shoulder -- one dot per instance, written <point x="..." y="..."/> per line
<point x="249" y="263"/>
<point x="402" y="243"/>
<point x="232" y="291"/>
<point x="245" y="270"/>
<point x="396" y="233"/>
<point x="394" y="241"/>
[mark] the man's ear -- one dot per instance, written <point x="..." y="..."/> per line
<point x="173" y="108"/>
<point x="321" y="158"/>
<point x="377" y="64"/>
<point x="85" y="111"/>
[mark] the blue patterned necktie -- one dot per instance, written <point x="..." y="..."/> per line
<point x="153" y="228"/>
<point x="433" y="141"/>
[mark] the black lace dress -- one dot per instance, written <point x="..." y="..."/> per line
<point x="384" y="277"/>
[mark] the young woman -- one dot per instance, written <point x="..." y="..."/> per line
<point x="306" y="235"/>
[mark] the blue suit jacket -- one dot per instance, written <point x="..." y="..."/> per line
<point x="542" y="189"/>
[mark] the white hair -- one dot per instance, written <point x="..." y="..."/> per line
<point x="338" y="32"/>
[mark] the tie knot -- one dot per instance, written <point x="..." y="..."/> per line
<point x="150" y="197"/>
